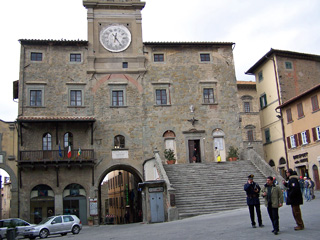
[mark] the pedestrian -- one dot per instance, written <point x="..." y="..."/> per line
<point x="275" y="181"/>
<point x="284" y="192"/>
<point x="194" y="155"/>
<point x="294" y="197"/>
<point x="307" y="186"/>
<point x="312" y="189"/>
<point x="301" y="183"/>
<point x="217" y="154"/>
<point x="253" y="189"/>
<point x="273" y="200"/>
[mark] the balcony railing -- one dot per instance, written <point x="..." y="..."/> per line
<point x="87" y="155"/>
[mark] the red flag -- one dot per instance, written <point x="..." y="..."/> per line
<point x="69" y="152"/>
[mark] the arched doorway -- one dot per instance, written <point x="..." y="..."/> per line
<point x="219" y="144"/>
<point x="316" y="176"/>
<point x="41" y="203"/>
<point x="282" y="167"/>
<point x="74" y="201"/>
<point x="271" y="163"/>
<point x="120" y="200"/>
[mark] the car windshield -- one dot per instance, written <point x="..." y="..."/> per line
<point x="45" y="220"/>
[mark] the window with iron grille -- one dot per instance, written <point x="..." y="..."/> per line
<point x="158" y="57"/>
<point x="250" y="135"/>
<point x="161" y="97"/>
<point x="117" y="98"/>
<point x="75" y="98"/>
<point x="205" y="57"/>
<point x="75" y="57"/>
<point x="208" y="96"/>
<point x="36" y="56"/>
<point x="246" y="106"/>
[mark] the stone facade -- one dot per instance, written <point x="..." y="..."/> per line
<point x="119" y="99"/>
<point x="8" y="157"/>
<point x="248" y="103"/>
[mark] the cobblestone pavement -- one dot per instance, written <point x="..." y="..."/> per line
<point x="233" y="225"/>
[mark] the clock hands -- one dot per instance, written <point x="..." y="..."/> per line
<point x="115" y="38"/>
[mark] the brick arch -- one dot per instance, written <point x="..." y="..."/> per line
<point x="117" y="76"/>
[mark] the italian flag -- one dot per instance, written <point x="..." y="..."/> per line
<point x="69" y="151"/>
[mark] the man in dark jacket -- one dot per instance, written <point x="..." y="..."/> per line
<point x="252" y="189"/>
<point x="294" y="197"/>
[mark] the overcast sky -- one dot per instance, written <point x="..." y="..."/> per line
<point x="255" y="26"/>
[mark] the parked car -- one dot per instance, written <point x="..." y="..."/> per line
<point x="16" y="223"/>
<point x="62" y="224"/>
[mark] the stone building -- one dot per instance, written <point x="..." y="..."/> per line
<point x="248" y="103"/>
<point x="87" y="108"/>
<point x="280" y="76"/>
<point x="8" y="157"/>
<point x="301" y="116"/>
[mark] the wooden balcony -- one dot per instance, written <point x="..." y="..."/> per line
<point x="56" y="158"/>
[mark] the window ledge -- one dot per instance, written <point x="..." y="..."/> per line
<point x="76" y="106"/>
<point x="120" y="149"/>
<point x="164" y="105"/>
<point x="210" y="103"/>
<point x="317" y="110"/>
<point x="118" y="106"/>
<point x="35" y="106"/>
<point x="301" y="117"/>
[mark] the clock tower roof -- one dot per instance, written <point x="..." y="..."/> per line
<point x="115" y="4"/>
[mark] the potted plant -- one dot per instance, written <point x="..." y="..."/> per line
<point x="169" y="155"/>
<point x="90" y="220"/>
<point x="233" y="153"/>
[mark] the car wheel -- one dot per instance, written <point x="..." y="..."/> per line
<point x="76" y="229"/>
<point x="63" y="234"/>
<point x="44" y="233"/>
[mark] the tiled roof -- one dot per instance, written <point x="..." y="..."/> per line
<point x="188" y="43"/>
<point x="53" y="42"/>
<point x="54" y="119"/>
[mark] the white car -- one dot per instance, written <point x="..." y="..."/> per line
<point x="16" y="223"/>
<point x="54" y="225"/>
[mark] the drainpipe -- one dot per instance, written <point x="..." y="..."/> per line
<point x="281" y="116"/>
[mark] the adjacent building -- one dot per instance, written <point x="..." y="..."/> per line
<point x="248" y="103"/>
<point x="301" y="116"/>
<point x="88" y="108"/>
<point x="280" y="76"/>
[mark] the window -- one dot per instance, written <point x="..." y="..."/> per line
<point x="35" y="56"/>
<point x="267" y="135"/>
<point x="250" y="135"/>
<point x="68" y="218"/>
<point x="246" y="106"/>
<point x="293" y="141"/>
<point x="263" y="101"/>
<point x="300" y="110"/>
<point x="158" y="58"/>
<point x="161" y="97"/>
<point x="75" y="57"/>
<point x="288" y="65"/>
<point x="315" y="103"/>
<point x="117" y="98"/>
<point x="260" y="76"/>
<point x="35" y="98"/>
<point x="205" y="57"/>
<point x="304" y="138"/>
<point x="316" y="133"/>
<point x="57" y="220"/>
<point x="208" y="96"/>
<point x="46" y="142"/>
<point x="67" y="140"/>
<point x="125" y="65"/>
<point x="75" y="98"/>
<point x="119" y="141"/>
<point x="289" y="115"/>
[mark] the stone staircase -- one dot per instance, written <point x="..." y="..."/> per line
<point x="203" y="188"/>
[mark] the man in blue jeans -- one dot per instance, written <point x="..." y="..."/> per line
<point x="273" y="200"/>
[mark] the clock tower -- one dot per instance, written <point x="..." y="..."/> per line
<point x="115" y="36"/>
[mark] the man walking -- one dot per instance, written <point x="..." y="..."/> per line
<point x="253" y="189"/>
<point x="273" y="200"/>
<point x="294" y="197"/>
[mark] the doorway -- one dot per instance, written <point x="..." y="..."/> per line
<point x="194" y="150"/>
<point x="316" y="176"/>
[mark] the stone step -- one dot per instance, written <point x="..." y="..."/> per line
<point x="204" y="188"/>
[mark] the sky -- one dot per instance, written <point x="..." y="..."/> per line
<point x="255" y="26"/>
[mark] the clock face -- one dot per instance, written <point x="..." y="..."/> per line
<point x="115" y="38"/>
